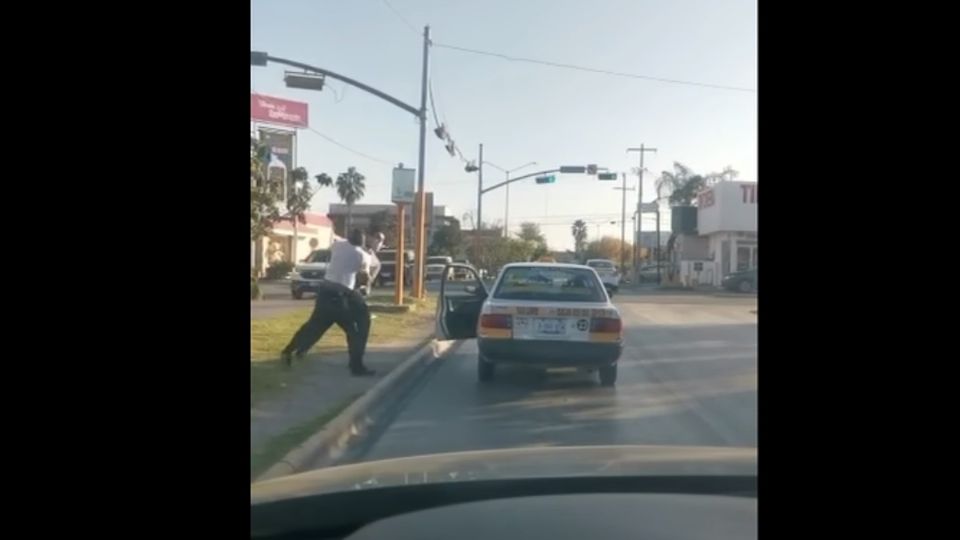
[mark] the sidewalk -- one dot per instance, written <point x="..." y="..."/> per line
<point x="290" y="405"/>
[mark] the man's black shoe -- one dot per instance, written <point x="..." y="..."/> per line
<point x="362" y="372"/>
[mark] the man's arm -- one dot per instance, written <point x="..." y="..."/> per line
<point x="374" y="265"/>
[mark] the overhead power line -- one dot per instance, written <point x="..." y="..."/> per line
<point x="401" y="17"/>
<point x="592" y="70"/>
<point x="348" y="149"/>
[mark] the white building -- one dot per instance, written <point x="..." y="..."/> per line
<point x="316" y="233"/>
<point x="726" y="235"/>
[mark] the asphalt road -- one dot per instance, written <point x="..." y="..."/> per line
<point x="688" y="376"/>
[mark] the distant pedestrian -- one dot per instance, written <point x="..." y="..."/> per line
<point x="338" y="302"/>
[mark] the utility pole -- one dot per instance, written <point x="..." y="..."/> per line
<point x="479" y="224"/>
<point x="636" y="245"/>
<point x="506" y="211"/>
<point x="420" y="219"/>
<point x="659" y="278"/>
<point x="623" y="222"/>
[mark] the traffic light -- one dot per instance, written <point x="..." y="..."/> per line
<point x="592" y="169"/>
<point x="258" y="58"/>
<point x="304" y="81"/>
<point x="546" y="179"/>
<point x="607" y="176"/>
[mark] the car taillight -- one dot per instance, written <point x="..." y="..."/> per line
<point x="605" y="324"/>
<point x="496" y="320"/>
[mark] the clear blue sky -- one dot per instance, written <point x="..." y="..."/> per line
<point x="522" y="112"/>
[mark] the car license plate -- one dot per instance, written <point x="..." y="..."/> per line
<point x="553" y="327"/>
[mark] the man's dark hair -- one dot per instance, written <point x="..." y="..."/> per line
<point x="357" y="237"/>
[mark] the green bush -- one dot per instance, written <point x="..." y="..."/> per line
<point x="279" y="270"/>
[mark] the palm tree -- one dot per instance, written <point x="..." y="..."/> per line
<point x="579" y="231"/>
<point x="350" y="188"/>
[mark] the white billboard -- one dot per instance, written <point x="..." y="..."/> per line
<point x="727" y="206"/>
<point x="404" y="186"/>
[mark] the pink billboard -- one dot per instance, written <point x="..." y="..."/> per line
<point x="276" y="110"/>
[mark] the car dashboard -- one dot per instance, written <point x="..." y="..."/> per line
<point x="676" y="507"/>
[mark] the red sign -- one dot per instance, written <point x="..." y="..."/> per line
<point x="275" y="110"/>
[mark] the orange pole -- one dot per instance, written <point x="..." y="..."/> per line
<point x="400" y="259"/>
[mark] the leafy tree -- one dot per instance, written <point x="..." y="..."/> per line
<point x="530" y="232"/>
<point x="579" y="232"/>
<point x="384" y="222"/>
<point x="350" y="188"/>
<point x="448" y="239"/>
<point x="492" y="252"/>
<point x="607" y="247"/>
<point x="267" y="206"/>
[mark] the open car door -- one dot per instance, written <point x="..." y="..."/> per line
<point x="459" y="304"/>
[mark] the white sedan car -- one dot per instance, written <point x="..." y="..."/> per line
<point x="607" y="271"/>
<point x="544" y="314"/>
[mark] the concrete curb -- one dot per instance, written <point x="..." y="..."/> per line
<point x="338" y="434"/>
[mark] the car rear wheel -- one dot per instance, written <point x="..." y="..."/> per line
<point x="608" y="375"/>
<point x="746" y="286"/>
<point x="484" y="370"/>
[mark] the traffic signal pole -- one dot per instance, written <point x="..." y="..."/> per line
<point x="479" y="225"/>
<point x="420" y="218"/>
<point x="623" y="223"/>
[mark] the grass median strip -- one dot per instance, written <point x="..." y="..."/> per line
<point x="270" y="335"/>
<point x="274" y="450"/>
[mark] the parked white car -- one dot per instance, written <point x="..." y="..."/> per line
<point x="435" y="266"/>
<point x="307" y="275"/>
<point x="607" y="271"/>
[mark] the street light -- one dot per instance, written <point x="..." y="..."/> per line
<point x="506" y="212"/>
<point x="260" y="58"/>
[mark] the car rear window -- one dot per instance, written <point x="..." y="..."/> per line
<point x="551" y="284"/>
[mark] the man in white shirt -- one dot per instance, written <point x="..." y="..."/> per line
<point x="338" y="302"/>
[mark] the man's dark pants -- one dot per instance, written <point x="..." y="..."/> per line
<point x="338" y="305"/>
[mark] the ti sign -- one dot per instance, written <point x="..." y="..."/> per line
<point x="607" y="176"/>
<point x="546" y="179"/>
<point x="575" y="169"/>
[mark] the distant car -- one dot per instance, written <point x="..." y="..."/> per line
<point x="607" y="270"/>
<point x="435" y="266"/>
<point x="308" y="274"/>
<point x="741" y="281"/>
<point x="543" y="314"/>
<point x="547" y="259"/>
<point x="648" y="272"/>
